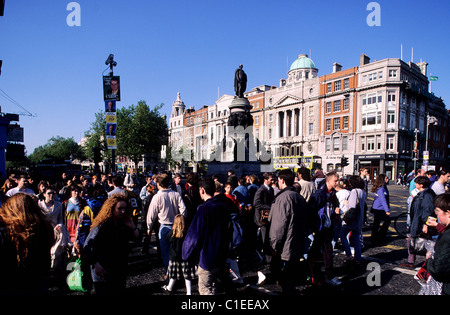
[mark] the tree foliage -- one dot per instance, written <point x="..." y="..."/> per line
<point x="95" y="137"/>
<point x="140" y="131"/>
<point x="57" y="148"/>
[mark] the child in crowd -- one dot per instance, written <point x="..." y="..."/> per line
<point x="178" y="268"/>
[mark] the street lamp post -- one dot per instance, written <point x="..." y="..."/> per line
<point x="416" y="150"/>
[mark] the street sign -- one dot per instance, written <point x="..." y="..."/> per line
<point x="15" y="133"/>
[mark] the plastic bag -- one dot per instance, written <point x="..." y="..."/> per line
<point x="75" y="278"/>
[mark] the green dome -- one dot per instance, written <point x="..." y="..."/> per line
<point x="303" y="62"/>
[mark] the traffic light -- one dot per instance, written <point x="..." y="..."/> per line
<point x="344" y="161"/>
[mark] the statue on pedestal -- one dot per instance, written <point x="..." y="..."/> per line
<point x="240" y="81"/>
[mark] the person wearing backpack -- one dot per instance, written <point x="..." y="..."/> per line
<point x="325" y="209"/>
<point x="287" y="231"/>
<point x="207" y="240"/>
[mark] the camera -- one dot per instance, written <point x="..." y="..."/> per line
<point x="110" y="60"/>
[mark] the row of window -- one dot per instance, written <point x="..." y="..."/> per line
<point x="368" y="143"/>
<point x="336" y="144"/>
<point x="337" y="106"/>
<point x="336" y="123"/>
<point x="338" y="85"/>
<point x="374" y="143"/>
<point x="373" y="76"/>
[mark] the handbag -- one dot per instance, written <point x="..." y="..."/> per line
<point x="422" y="275"/>
<point x="75" y="278"/>
<point x="429" y="286"/>
<point x="264" y="219"/>
<point x="351" y="214"/>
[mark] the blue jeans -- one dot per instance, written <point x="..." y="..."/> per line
<point x="164" y="229"/>
<point x="356" y="239"/>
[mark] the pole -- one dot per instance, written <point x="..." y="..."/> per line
<point x="110" y="61"/>
<point x="416" y="150"/>
<point x="426" y="136"/>
<point x="113" y="151"/>
<point x="430" y="82"/>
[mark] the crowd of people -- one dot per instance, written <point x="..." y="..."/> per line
<point x="206" y="229"/>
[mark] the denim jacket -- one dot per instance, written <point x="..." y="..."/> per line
<point x="381" y="201"/>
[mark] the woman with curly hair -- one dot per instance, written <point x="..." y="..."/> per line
<point x="107" y="246"/>
<point x="25" y="242"/>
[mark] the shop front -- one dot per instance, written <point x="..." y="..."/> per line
<point x="379" y="164"/>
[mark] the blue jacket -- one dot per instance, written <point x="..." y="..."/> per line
<point x="422" y="207"/>
<point x="323" y="204"/>
<point x="242" y="195"/>
<point x="252" y="189"/>
<point x="207" y="240"/>
<point x="381" y="201"/>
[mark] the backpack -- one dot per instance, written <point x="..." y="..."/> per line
<point x="84" y="224"/>
<point x="95" y="204"/>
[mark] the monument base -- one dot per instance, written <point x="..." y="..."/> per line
<point x="240" y="169"/>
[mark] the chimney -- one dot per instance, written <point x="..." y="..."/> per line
<point x="363" y="60"/>
<point x="336" y="67"/>
<point x="423" y="67"/>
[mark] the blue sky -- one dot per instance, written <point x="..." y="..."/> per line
<point x="193" y="47"/>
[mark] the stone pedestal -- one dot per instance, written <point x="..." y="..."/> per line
<point x="240" y="155"/>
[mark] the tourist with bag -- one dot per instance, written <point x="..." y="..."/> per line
<point x="353" y="219"/>
<point x="342" y="193"/>
<point x="207" y="241"/>
<point x="325" y="207"/>
<point x="421" y="208"/>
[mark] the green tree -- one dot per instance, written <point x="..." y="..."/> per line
<point x="57" y="148"/>
<point x="95" y="137"/>
<point x="140" y="131"/>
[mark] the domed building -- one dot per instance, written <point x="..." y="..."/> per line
<point x="302" y="68"/>
<point x="291" y="125"/>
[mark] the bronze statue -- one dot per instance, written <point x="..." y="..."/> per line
<point x="240" y="81"/>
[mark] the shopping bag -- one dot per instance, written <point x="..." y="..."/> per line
<point x="75" y="278"/>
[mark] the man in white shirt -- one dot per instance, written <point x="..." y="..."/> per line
<point x="117" y="182"/>
<point x="439" y="185"/>
<point x="21" y="187"/>
<point x="165" y="205"/>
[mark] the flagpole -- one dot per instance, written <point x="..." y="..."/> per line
<point x="430" y="82"/>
